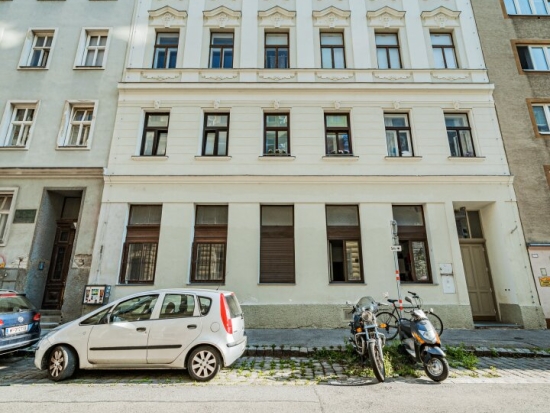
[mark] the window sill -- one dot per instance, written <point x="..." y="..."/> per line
<point x="466" y="158"/>
<point x="277" y="284"/>
<point x="403" y="158"/>
<point x="149" y="158"/>
<point x="89" y="67"/>
<point x="274" y="158"/>
<point x="134" y="285"/>
<point x="340" y="158"/>
<point x="14" y="148"/>
<point x="212" y="158"/>
<point x="194" y="284"/>
<point x="72" y="148"/>
<point x="347" y="283"/>
<point x="32" y="68"/>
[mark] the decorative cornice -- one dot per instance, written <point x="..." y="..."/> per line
<point x="440" y="17"/>
<point x="68" y="172"/>
<point x="222" y="17"/>
<point x="277" y="17"/>
<point x="159" y="77"/>
<point x="448" y="77"/>
<point x="386" y="17"/>
<point x="393" y="76"/>
<point x="333" y="77"/>
<point x="218" y="76"/>
<point x="167" y="17"/>
<point x="331" y="17"/>
<point x="276" y="76"/>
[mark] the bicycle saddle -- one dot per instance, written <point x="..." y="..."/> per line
<point x="392" y="301"/>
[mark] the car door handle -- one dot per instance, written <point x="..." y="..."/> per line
<point x="141" y="329"/>
<point x="192" y="326"/>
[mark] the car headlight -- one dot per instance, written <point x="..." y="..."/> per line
<point x="428" y="335"/>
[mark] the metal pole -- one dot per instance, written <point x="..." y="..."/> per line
<point x="395" y="239"/>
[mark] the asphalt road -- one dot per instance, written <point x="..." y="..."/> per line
<point x="390" y="396"/>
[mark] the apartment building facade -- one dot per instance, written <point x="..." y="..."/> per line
<point x="61" y="64"/>
<point x="515" y="37"/>
<point x="265" y="147"/>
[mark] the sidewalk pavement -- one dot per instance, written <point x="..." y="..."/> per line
<point x="484" y="342"/>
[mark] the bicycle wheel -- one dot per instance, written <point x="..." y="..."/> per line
<point x="436" y="322"/>
<point x="387" y="324"/>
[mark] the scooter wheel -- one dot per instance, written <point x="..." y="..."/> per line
<point x="437" y="368"/>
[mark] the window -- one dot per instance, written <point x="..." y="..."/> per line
<point x="40" y="49"/>
<point x="459" y="135"/>
<point x="276" y="51"/>
<point x="277" y="245"/>
<point x="444" y="51"/>
<point x="155" y="134"/>
<point x="540" y="7"/>
<point x="94" y="49"/>
<point x="166" y="50"/>
<point x="413" y="259"/>
<point x="141" y="245"/>
<point x="337" y="134"/>
<point x="542" y="115"/>
<point x="216" y="133"/>
<point x="135" y="309"/>
<point x="344" y="243"/>
<point x="398" y="134"/>
<point x="81" y="122"/>
<point x="20" y="126"/>
<point x="387" y="51"/>
<point x="332" y="51"/>
<point x="6" y="201"/>
<point x="221" y="51"/>
<point x="209" y="246"/>
<point x="276" y="134"/>
<point x="534" y="57"/>
<point x="468" y="224"/>
<point x="177" y="306"/>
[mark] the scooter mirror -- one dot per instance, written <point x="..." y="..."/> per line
<point x="408" y="299"/>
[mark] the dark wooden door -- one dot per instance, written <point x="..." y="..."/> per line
<point x="59" y="266"/>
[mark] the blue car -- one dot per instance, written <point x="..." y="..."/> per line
<point x="19" y="322"/>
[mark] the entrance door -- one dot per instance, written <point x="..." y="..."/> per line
<point x="59" y="266"/>
<point x="479" y="282"/>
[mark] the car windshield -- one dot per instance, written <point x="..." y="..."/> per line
<point x="14" y="304"/>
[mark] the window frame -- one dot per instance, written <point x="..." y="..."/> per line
<point x="530" y="43"/>
<point x="399" y="129"/>
<point x="157" y="130"/>
<point x="6" y="192"/>
<point x="71" y="107"/>
<point x="332" y="47"/>
<point x="276" y="129"/>
<point x="338" y="129"/>
<point x="452" y="46"/>
<point x="166" y="48"/>
<point x="545" y="103"/>
<point x="277" y="47"/>
<point x="29" y="46"/>
<point x="6" y="126"/>
<point x="84" y="45"/>
<point x="531" y="4"/>
<point x="387" y="49"/>
<point x="216" y="130"/>
<point x="457" y="129"/>
<point x="139" y="234"/>
<point x="222" y="49"/>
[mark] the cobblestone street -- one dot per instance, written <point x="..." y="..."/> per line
<point x="294" y="371"/>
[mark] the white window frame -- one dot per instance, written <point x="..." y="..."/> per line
<point x="545" y="50"/>
<point x="83" y="47"/>
<point x="13" y="192"/>
<point x="28" y="47"/>
<point x="71" y="106"/>
<point x="6" y="126"/>
<point x="531" y="4"/>
<point x="546" y="109"/>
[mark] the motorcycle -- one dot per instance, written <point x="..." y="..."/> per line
<point x="365" y="338"/>
<point x="420" y="341"/>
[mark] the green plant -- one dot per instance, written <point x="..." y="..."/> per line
<point x="461" y="357"/>
<point x="494" y="352"/>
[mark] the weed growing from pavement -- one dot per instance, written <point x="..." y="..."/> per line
<point x="460" y="357"/>
<point x="494" y="352"/>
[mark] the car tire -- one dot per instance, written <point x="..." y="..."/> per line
<point x="61" y="363"/>
<point x="203" y="363"/>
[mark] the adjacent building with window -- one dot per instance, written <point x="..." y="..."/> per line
<point x="515" y="36"/>
<point x="265" y="147"/>
<point x="61" y="64"/>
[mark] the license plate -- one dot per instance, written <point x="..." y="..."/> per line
<point x="16" y="330"/>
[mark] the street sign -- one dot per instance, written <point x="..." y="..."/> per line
<point x="395" y="248"/>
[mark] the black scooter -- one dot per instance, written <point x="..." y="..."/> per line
<point x="420" y="341"/>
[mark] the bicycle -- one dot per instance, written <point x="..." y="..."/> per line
<point x="388" y="322"/>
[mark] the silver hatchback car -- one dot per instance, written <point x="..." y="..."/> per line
<point x="197" y="330"/>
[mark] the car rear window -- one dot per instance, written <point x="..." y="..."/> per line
<point x="234" y="306"/>
<point x="14" y="304"/>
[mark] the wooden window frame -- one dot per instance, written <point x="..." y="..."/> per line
<point x="398" y="129"/>
<point x="538" y="102"/>
<point x="277" y="129"/>
<point x="166" y="48"/>
<point x="222" y="48"/>
<point x="345" y="233"/>
<point x="276" y="47"/>
<point x="338" y="129"/>
<point x="157" y="130"/>
<point x="457" y="129"/>
<point x="281" y="232"/>
<point x="216" y="130"/>
<point x="387" y="49"/>
<point x="443" y="47"/>
<point x="332" y="47"/>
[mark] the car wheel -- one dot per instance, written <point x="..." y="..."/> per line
<point x="61" y="363"/>
<point x="203" y="363"/>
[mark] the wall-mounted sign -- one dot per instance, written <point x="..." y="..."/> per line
<point x="544" y="281"/>
<point x="24" y="216"/>
<point x="94" y="294"/>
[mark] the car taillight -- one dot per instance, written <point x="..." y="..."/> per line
<point x="36" y="317"/>
<point x="226" y="317"/>
<point x="1" y="322"/>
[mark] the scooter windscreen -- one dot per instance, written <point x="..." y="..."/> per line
<point x="427" y="331"/>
